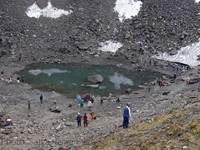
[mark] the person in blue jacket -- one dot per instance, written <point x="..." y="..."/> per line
<point x="126" y="116"/>
<point x="79" y="118"/>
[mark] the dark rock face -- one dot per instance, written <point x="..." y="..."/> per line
<point x="162" y="25"/>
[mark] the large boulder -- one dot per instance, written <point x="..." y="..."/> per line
<point x="95" y="78"/>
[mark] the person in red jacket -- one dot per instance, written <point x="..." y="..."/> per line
<point x="85" y="120"/>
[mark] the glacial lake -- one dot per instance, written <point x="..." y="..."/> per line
<point x="71" y="79"/>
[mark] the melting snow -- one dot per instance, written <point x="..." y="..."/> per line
<point x="49" y="11"/>
<point x="118" y="79"/>
<point x="110" y="46"/>
<point x="127" y="8"/>
<point x="186" y="55"/>
<point x="49" y="72"/>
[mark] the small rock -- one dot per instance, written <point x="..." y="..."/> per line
<point x="95" y="78"/>
<point x="185" y="147"/>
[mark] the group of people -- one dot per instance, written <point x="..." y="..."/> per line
<point x="81" y="100"/>
<point x="85" y="98"/>
<point x="126" y="117"/>
<point x="10" y="78"/>
<point x="79" y="119"/>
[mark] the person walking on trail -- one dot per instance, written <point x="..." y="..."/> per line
<point x="78" y="118"/>
<point x="126" y="116"/>
<point x="41" y="99"/>
<point x="85" y="120"/>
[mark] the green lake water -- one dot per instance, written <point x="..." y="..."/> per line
<point x="71" y="79"/>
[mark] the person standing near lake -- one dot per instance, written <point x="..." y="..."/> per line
<point x="81" y="102"/>
<point x="126" y="116"/>
<point x="29" y="105"/>
<point x="78" y="118"/>
<point x="85" y="120"/>
<point x="89" y="105"/>
<point x="18" y="79"/>
<point x="22" y="78"/>
<point x="41" y="99"/>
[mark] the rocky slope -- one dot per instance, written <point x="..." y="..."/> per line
<point x="162" y="25"/>
<point x="177" y="129"/>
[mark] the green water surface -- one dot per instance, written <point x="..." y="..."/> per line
<point x="71" y="79"/>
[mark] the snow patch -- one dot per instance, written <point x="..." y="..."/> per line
<point x="186" y="55"/>
<point x="197" y="1"/>
<point x="49" y="72"/>
<point x="110" y="46"/>
<point x="119" y="79"/>
<point x="49" y="11"/>
<point x="127" y="8"/>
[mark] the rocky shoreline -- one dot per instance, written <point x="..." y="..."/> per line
<point x="41" y="129"/>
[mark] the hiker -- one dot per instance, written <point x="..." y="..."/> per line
<point x="92" y="98"/>
<point x="89" y="105"/>
<point x="126" y="116"/>
<point x="2" y="73"/>
<point x="78" y="118"/>
<point x="81" y="102"/>
<point x="118" y="100"/>
<point x="158" y="81"/>
<point x="109" y="96"/>
<point x="127" y="91"/>
<point x="87" y="97"/>
<point x="78" y="99"/>
<point x="70" y="105"/>
<point x="22" y="78"/>
<point x="41" y="99"/>
<point x="85" y="120"/>
<point x="9" y="79"/>
<point x="18" y="79"/>
<point x="101" y="101"/>
<point x="20" y="56"/>
<point x="92" y="116"/>
<point x="29" y="105"/>
<point x="149" y="88"/>
<point x="8" y="121"/>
